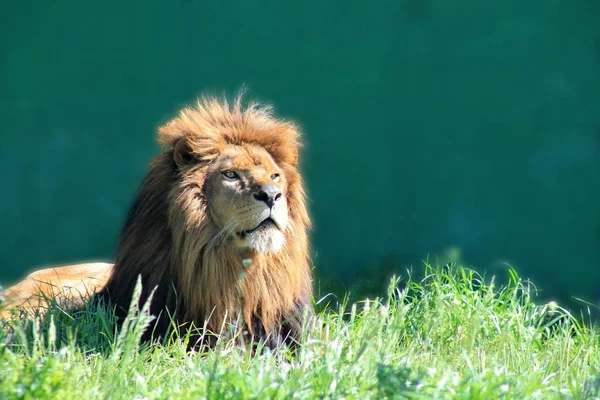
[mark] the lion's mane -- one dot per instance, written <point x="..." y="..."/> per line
<point x="171" y="241"/>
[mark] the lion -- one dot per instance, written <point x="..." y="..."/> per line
<point x="218" y="228"/>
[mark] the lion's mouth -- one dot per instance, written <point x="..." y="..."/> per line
<point x="267" y="223"/>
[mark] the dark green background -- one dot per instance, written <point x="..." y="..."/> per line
<point x="429" y="124"/>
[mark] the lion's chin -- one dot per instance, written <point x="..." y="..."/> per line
<point x="263" y="241"/>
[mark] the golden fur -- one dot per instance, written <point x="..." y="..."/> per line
<point x="219" y="226"/>
<point x="69" y="286"/>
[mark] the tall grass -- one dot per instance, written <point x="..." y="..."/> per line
<point x="451" y="335"/>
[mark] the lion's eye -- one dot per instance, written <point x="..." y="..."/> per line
<point x="275" y="177"/>
<point x="230" y="175"/>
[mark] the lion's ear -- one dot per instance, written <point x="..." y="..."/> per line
<point x="182" y="154"/>
<point x="288" y="146"/>
<point x="295" y="156"/>
<point x="289" y="154"/>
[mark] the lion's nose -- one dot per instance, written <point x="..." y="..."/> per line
<point x="269" y="194"/>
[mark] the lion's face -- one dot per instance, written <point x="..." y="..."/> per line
<point x="245" y="194"/>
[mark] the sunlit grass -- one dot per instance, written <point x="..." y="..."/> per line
<point x="451" y="335"/>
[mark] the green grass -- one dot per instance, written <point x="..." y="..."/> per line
<point x="451" y="335"/>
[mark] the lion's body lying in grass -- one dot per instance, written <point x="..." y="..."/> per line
<point x="67" y="285"/>
<point x="218" y="228"/>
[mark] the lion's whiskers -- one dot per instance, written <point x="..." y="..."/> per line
<point x="230" y="226"/>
